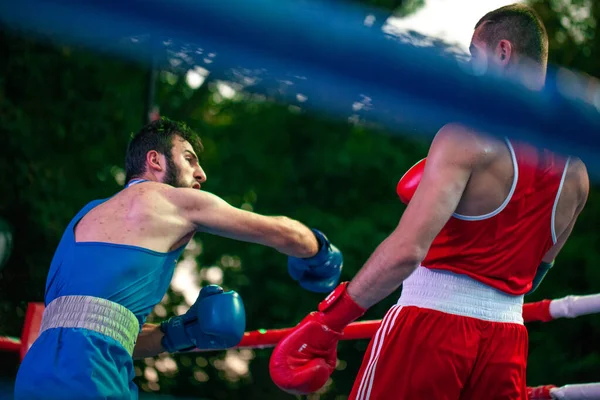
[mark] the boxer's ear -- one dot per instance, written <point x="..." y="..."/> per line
<point x="155" y="161"/>
<point x="503" y="52"/>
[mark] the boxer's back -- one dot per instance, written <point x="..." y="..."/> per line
<point x="139" y="215"/>
<point x="107" y="252"/>
<point x="490" y="185"/>
<point x="516" y="206"/>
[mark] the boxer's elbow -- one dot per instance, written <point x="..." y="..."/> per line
<point x="295" y="239"/>
<point x="408" y="257"/>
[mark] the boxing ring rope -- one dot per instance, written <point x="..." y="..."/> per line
<point x="404" y="84"/>
<point x="31" y="328"/>
<point x="540" y="311"/>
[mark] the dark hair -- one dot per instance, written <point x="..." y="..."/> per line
<point x="157" y="135"/>
<point x="519" y="24"/>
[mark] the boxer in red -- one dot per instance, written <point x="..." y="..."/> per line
<point x="486" y="217"/>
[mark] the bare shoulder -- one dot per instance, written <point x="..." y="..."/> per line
<point x="148" y="194"/>
<point x="153" y="194"/>
<point x="458" y="131"/>
<point x="461" y="142"/>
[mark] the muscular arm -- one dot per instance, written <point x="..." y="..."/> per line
<point x="209" y="213"/>
<point x="453" y="155"/>
<point x="148" y="342"/>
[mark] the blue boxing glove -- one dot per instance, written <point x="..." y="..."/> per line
<point x="216" y="321"/>
<point x="321" y="272"/>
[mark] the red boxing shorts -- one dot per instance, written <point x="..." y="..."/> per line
<point x="425" y="353"/>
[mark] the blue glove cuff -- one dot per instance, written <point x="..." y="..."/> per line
<point x="321" y="272"/>
<point x="175" y="338"/>
<point x="324" y="246"/>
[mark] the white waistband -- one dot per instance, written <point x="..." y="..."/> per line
<point x="458" y="294"/>
<point x="93" y="313"/>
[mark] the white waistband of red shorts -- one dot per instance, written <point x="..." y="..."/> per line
<point x="459" y="294"/>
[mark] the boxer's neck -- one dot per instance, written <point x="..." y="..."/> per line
<point x="135" y="182"/>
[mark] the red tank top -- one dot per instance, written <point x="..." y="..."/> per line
<point x="503" y="249"/>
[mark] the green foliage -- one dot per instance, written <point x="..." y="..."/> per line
<point x="409" y="7"/>
<point x="64" y="129"/>
<point x="66" y="115"/>
<point x="572" y="32"/>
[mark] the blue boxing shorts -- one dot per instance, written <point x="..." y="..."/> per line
<point x="84" y="351"/>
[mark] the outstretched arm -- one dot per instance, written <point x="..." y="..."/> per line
<point x="453" y="155"/>
<point x="211" y="214"/>
<point x="313" y="261"/>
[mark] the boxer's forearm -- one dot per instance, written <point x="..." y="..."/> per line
<point x="149" y="342"/>
<point x="383" y="273"/>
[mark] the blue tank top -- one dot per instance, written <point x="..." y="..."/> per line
<point x="132" y="276"/>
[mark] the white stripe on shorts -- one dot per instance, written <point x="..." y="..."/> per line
<point x="366" y="383"/>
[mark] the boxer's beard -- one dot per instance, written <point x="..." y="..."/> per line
<point x="172" y="174"/>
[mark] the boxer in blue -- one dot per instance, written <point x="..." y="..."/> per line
<point x="115" y="262"/>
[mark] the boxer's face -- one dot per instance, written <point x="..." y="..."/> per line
<point x="183" y="169"/>
<point x="486" y="59"/>
<point x="479" y="56"/>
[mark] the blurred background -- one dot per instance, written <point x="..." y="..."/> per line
<point x="66" y="115"/>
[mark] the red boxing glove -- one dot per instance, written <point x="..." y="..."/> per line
<point x="540" y="392"/>
<point x="303" y="361"/>
<point x="407" y="185"/>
